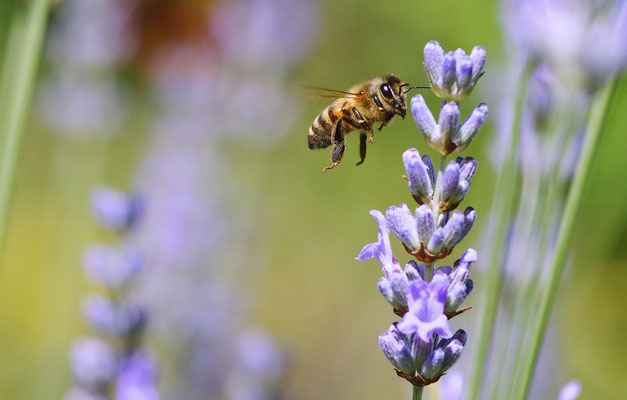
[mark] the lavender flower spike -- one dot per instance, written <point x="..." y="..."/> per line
<point x="453" y="75"/>
<point x="426" y="310"/>
<point x="381" y="249"/>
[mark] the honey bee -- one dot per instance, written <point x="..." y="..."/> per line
<point x="368" y="102"/>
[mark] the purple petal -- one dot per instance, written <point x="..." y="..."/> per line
<point x="570" y="391"/>
<point x="381" y="249"/>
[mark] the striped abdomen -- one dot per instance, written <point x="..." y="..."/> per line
<point x="321" y="130"/>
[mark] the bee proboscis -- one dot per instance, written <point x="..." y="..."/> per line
<point x="363" y="105"/>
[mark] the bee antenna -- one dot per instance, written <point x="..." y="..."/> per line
<point x="416" y="87"/>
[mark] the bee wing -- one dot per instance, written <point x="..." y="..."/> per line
<point x="311" y="91"/>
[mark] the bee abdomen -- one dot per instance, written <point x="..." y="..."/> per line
<point x="321" y="130"/>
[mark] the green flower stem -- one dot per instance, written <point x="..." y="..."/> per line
<point x="598" y="114"/>
<point x="28" y="31"/>
<point x="550" y="204"/>
<point x="417" y="393"/>
<point x="502" y="205"/>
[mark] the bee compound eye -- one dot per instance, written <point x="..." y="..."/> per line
<point x="386" y="91"/>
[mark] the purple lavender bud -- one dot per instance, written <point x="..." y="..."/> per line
<point x="470" y="127"/>
<point x="93" y="362"/>
<point x="453" y="350"/>
<point x="113" y="209"/>
<point x="436" y="243"/>
<point x="403" y="226"/>
<point x="447" y="352"/>
<point x="423" y="117"/>
<point x="414" y="271"/>
<point x="454" y="228"/>
<point x="570" y="391"/>
<point x="111" y="267"/>
<point x="419" y="183"/>
<point x="425" y="316"/>
<point x="477" y="56"/>
<point x="449" y="124"/>
<point x="456" y="182"/>
<point x="385" y="287"/>
<point x="425" y="223"/>
<point x="433" y="364"/>
<point x="458" y="226"/>
<point x="400" y="285"/>
<point x="468" y="166"/>
<point x="434" y="59"/>
<point x="396" y="350"/>
<point x="463" y="71"/>
<point x="450" y="181"/>
<point x="448" y="73"/>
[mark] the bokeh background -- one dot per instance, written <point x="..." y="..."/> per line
<point x="300" y="228"/>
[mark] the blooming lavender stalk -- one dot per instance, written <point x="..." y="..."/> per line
<point x="421" y="346"/>
<point x="116" y="363"/>
<point x="569" y="49"/>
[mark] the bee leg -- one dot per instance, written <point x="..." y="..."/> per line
<point x="363" y="124"/>
<point x="338" y="141"/>
<point x="362" y="148"/>
<point x="336" y="157"/>
<point x="387" y="120"/>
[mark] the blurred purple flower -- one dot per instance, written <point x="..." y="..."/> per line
<point x="93" y="362"/>
<point x="581" y="39"/>
<point x="570" y="391"/>
<point x="114" y="209"/>
<point x="110" y="266"/>
<point x="426" y="310"/>
<point x="452" y="386"/>
<point x="137" y="378"/>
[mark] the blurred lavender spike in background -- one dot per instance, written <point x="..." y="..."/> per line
<point x="583" y="40"/>
<point x="80" y="95"/>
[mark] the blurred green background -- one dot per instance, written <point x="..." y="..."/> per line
<point x="313" y="296"/>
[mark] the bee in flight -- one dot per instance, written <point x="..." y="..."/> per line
<point x="373" y="100"/>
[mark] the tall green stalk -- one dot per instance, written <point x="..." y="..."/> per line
<point x="598" y="114"/>
<point x="502" y="204"/>
<point x="23" y="52"/>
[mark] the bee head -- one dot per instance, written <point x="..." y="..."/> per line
<point x="392" y="94"/>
